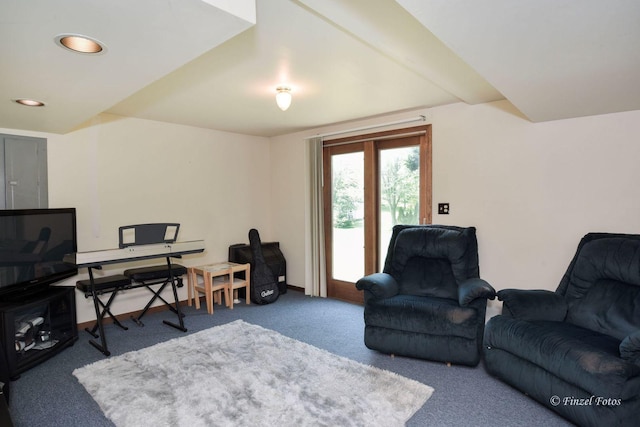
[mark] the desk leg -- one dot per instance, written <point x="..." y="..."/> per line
<point x="105" y="310"/>
<point x="103" y="340"/>
<point x="175" y="297"/>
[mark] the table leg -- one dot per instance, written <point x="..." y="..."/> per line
<point x="208" y="293"/>
<point x="196" y="294"/>
<point x="190" y="288"/>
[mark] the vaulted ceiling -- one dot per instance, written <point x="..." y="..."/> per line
<point x="216" y="63"/>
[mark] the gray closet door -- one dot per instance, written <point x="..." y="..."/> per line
<point x="24" y="163"/>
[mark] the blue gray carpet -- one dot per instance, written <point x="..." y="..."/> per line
<point x="48" y="395"/>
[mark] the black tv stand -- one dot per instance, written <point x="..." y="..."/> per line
<point x="37" y="327"/>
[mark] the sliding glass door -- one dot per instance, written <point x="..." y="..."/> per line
<point x="374" y="182"/>
<point x="347" y="215"/>
<point x="399" y="184"/>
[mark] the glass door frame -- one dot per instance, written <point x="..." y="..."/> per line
<point x="370" y="144"/>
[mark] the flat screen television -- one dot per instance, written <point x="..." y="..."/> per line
<point x="33" y="243"/>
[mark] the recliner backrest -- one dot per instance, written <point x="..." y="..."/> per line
<point x="602" y="288"/>
<point x="432" y="260"/>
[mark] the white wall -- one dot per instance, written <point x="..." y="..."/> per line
<point x="288" y="174"/>
<point x="118" y="171"/>
<point x="534" y="189"/>
<point x="531" y="189"/>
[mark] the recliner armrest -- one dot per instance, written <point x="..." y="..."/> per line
<point x="630" y="347"/>
<point x="381" y="285"/>
<point x="533" y="304"/>
<point x="472" y="289"/>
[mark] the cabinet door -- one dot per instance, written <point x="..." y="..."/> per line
<point x="37" y="328"/>
<point x="24" y="172"/>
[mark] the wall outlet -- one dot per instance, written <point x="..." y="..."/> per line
<point x="443" y="208"/>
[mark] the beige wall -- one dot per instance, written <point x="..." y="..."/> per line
<point x="534" y="189"/>
<point x="119" y="171"/>
<point x="288" y="174"/>
<point x="531" y="189"/>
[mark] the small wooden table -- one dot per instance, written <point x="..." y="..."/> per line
<point x="217" y="278"/>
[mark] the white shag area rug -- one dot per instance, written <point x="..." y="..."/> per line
<point x="240" y="374"/>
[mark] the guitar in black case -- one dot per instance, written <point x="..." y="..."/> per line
<point x="264" y="283"/>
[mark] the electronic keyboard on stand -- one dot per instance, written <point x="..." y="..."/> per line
<point x="134" y="253"/>
<point x="137" y="242"/>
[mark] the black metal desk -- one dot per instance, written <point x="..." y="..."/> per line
<point x="96" y="259"/>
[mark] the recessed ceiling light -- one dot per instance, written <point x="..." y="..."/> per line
<point x="80" y="44"/>
<point x="29" y="102"/>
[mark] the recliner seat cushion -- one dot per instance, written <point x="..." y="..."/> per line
<point x="425" y="315"/>
<point x="431" y="261"/>
<point x="603" y="293"/>
<point x="428" y="277"/>
<point x="582" y="357"/>
<point x="609" y="307"/>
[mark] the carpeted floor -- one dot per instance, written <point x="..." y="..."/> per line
<point x="48" y="395"/>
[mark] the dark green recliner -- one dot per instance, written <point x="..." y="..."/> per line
<point x="576" y="350"/>
<point x="429" y="302"/>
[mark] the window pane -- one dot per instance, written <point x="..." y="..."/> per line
<point x="348" y="216"/>
<point x="399" y="192"/>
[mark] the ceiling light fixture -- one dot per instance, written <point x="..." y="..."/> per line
<point x="283" y="97"/>
<point x="80" y="44"/>
<point x="29" y="102"/>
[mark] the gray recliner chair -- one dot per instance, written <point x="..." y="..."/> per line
<point x="429" y="302"/>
